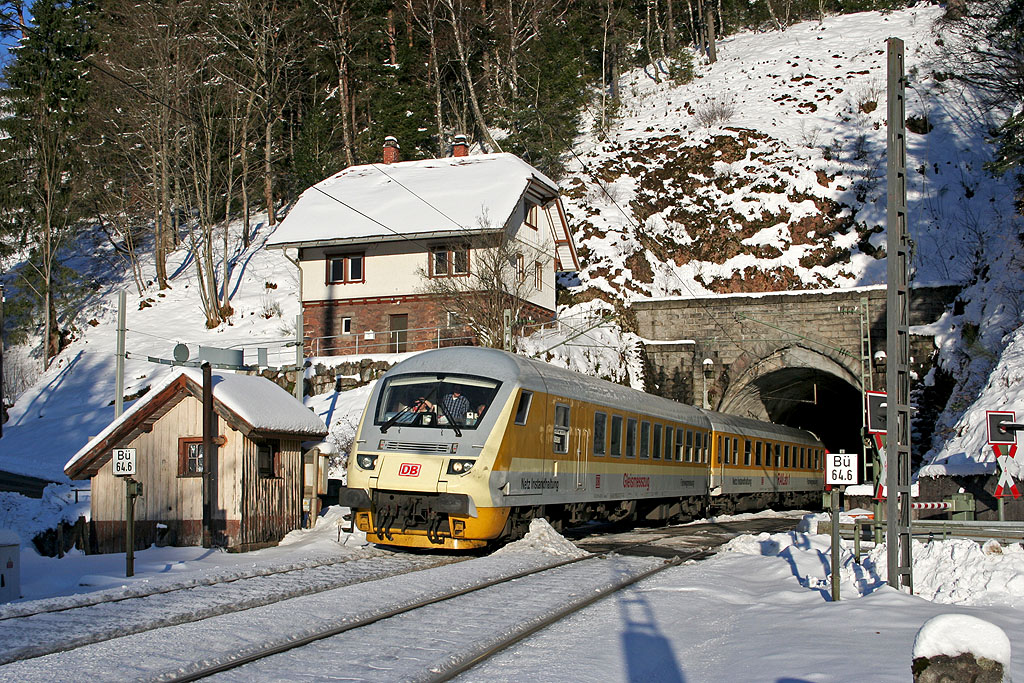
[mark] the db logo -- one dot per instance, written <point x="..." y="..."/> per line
<point x="409" y="470"/>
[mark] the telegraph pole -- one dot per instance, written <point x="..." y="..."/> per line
<point x="897" y="375"/>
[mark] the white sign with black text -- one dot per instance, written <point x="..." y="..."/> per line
<point x="123" y="461"/>
<point x="841" y="469"/>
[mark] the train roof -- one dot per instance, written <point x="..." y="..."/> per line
<point x="759" y="429"/>
<point x="536" y="375"/>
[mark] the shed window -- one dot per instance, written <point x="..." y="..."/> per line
<point x="190" y="457"/>
<point x="268" y="458"/>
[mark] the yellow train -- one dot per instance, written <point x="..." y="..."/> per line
<point x="460" y="447"/>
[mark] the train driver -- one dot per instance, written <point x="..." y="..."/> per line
<point x="457" y="405"/>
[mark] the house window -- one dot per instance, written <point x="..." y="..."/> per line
<point x="345" y="268"/>
<point x="268" y="458"/>
<point x="447" y="261"/>
<point x="453" y="319"/>
<point x="538" y="276"/>
<point x="532" y="215"/>
<point x="520" y="268"/>
<point x="190" y="457"/>
<point x="346" y="325"/>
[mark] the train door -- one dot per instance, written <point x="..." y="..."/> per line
<point x="581" y="446"/>
<point x="563" y="437"/>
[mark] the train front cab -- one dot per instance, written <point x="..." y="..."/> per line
<point x="416" y="481"/>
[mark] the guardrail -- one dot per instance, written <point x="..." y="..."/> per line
<point x="930" y="529"/>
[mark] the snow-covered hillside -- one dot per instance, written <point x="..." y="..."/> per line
<point x="767" y="171"/>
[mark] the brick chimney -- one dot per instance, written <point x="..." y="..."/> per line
<point x="460" y="148"/>
<point x="390" y="149"/>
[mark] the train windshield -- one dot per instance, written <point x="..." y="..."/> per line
<point x="458" y="401"/>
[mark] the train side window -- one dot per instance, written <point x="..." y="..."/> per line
<point x="600" y="421"/>
<point x="523" y="409"/>
<point x="669" y="432"/>
<point x="803" y="457"/>
<point x="689" y="445"/>
<point x="757" y="453"/>
<point x="656" y="443"/>
<point x="561" y="432"/>
<point x="735" y="451"/>
<point x="778" y="455"/>
<point x="785" y="458"/>
<point x="746" y="452"/>
<point x="616" y="444"/>
<point x="677" y="453"/>
<point x="631" y="437"/>
<point x="697" y="446"/>
<point x="645" y="439"/>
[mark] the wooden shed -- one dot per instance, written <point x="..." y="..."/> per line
<point x="257" y="489"/>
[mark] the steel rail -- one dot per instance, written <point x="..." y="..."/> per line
<point x="92" y="601"/>
<point x="528" y="631"/>
<point x="279" y="648"/>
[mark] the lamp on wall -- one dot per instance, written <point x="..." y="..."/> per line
<point x="709" y="369"/>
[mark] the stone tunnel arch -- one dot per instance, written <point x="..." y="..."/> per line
<point x="804" y="388"/>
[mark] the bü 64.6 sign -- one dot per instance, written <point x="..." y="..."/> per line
<point x="123" y="462"/>
<point x="841" y="469"/>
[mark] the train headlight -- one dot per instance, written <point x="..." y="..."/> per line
<point x="366" y="462"/>
<point x="459" y="466"/>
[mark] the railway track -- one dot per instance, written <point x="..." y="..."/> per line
<point x="388" y="621"/>
<point x="48" y="626"/>
<point x="446" y="635"/>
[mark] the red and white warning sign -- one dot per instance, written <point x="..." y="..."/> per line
<point x="1004" y="443"/>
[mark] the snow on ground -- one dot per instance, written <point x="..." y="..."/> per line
<point x="759" y="610"/>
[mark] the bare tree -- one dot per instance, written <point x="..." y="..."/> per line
<point x="459" y="18"/>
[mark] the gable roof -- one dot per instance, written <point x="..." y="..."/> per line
<point x="248" y="403"/>
<point x="434" y="197"/>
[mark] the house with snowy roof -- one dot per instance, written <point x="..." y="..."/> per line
<point x="255" y="489"/>
<point x="371" y="239"/>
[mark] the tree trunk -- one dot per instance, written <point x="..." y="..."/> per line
<point x="268" y="180"/>
<point x="710" y="23"/>
<point x="467" y="77"/>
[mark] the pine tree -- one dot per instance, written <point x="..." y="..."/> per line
<point x="46" y="93"/>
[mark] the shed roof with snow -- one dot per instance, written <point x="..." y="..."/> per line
<point x="251" y="404"/>
<point x="433" y="197"/>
